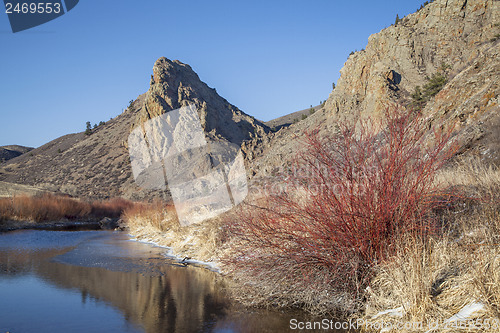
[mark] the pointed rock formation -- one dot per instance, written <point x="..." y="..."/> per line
<point x="98" y="165"/>
<point x="175" y="84"/>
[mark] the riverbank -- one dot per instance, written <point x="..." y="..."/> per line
<point x="452" y="271"/>
<point x="6" y="226"/>
<point x="103" y="224"/>
<point x="46" y="207"/>
<point x="449" y="282"/>
<point x="55" y="212"/>
<point x="157" y="223"/>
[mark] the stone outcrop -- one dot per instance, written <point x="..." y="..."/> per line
<point x="98" y="165"/>
<point x="174" y="84"/>
<point x="399" y="58"/>
<point x="461" y="35"/>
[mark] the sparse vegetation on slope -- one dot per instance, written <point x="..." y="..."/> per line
<point x="433" y="85"/>
<point x="88" y="128"/>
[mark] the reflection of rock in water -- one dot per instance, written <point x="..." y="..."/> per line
<point x="150" y="294"/>
<point x="180" y="300"/>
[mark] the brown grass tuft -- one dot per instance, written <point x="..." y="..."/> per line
<point x="434" y="278"/>
<point x="49" y="207"/>
<point x="157" y="216"/>
<point x="158" y="222"/>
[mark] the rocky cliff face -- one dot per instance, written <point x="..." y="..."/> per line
<point x="460" y="35"/>
<point x="175" y="84"/>
<point x="399" y="58"/>
<point x="98" y="165"/>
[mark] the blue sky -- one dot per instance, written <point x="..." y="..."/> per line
<point x="269" y="58"/>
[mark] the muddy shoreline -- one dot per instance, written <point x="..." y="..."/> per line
<point x="103" y="224"/>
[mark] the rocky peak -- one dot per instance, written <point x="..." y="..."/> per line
<point x="175" y="84"/>
<point x="98" y="165"/>
<point x="400" y="57"/>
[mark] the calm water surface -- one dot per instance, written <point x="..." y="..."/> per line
<point x="100" y="281"/>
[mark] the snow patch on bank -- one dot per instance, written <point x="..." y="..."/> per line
<point x="210" y="265"/>
<point x="397" y="312"/>
<point x="466" y="312"/>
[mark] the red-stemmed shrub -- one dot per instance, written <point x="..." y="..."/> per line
<point x="346" y="200"/>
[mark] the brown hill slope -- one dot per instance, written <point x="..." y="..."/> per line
<point x="9" y="152"/>
<point x="98" y="165"/>
<point x="77" y="164"/>
<point x="291" y="118"/>
<point x="461" y="34"/>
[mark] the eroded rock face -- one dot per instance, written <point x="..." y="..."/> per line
<point x="174" y="84"/>
<point x="98" y="165"/>
<point x="175" y="87"/>
<point x="399" y="58"/>
<point x="462" y="34"/>
<point x="471" y="99"/>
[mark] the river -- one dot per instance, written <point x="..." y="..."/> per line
<point x="101" y="281"/>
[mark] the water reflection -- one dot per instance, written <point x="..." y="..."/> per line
<point x="90" y="275"/>
<point x="176" y="300"/>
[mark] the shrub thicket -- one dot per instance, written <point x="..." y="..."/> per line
<point x="49" y="207"/>
<point x="433" y="85"/>
<point x="350" y="198"/>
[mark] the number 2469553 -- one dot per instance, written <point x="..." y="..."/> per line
<point x="32" y="8"/>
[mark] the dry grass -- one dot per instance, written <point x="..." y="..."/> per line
<point x="354" y="196"/>
<point x="479" y="180"/>
<point x="156" y="216"/>
<point x="49" y="207"/>
<point x="433" y="279"/>
<point x="158" y="222"/>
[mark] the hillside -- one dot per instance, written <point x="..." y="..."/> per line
<point x="10" y="189"/>
<point x="9" y="152"/>
<point x="457" y="39"/>
<point x="98" y="165"/>
<point x="462" y="35"/>
<point x="291" y="118"/>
